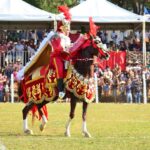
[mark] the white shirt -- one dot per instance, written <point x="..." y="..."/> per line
<point x="19" y="47"/>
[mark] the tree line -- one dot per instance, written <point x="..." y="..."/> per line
<point x="51" y="5"/>
<point x="136" y="6"/>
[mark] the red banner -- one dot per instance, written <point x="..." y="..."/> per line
<point x="116" y="57"/>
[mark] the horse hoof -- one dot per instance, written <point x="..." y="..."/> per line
<point x="42" y="127"/>
<point x="67" y="134"/>
<point x="86" y="134"/>
<point x="28" y="132"/>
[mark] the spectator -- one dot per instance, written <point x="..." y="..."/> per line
<point x="113" y="46"/>
<point x="106" y="86"/>
<point x="9" y="70"/>
<point x="122" y="88"/>
<point x="108" y="73"/>
<point x="18" y="65"/>
<point x="7" y="91"/>
<point x="115" y="83"/>
<point x="19" y="48"/>
<point x="138" y="91"/>
<point x="122" y="46"/>
<point x="31" y="48"/>
<point x="117" y="70"/>
<point x="114" y="36"/>
<point x="137" y="35"/>
<point x="104" y="37"/>
<point x="135" y="45"/>
<point x="2" y="80"/>
<point x="15" y="73"/>
<point x="129" y="96"/>
<point x="121" y="36"/>
<point x="40" y="35"/>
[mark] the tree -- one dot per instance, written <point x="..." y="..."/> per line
<point x="51" y="5"/>
<point x="137" y="6"/>
<point x="33" y="2"/>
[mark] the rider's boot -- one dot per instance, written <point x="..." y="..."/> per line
<point x="60" y="85"/>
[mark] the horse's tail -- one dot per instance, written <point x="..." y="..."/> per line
<point x="45" y="112"/>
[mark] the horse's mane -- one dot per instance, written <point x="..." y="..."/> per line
<point x="85" y="60"/>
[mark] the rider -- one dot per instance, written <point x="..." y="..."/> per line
<point x="60" y="43"/>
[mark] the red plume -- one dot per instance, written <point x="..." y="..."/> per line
<point x="65" y="11"/>
<point x="93" y="27"/>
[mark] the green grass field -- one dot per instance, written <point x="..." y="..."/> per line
<point x="112" y="126"/>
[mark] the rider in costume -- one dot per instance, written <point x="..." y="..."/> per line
<point x="62" y="49"/>
<point x="60" y="43"/>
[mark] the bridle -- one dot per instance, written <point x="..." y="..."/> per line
<point x="83" y="59"/>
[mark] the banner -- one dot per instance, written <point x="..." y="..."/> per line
<point x="116" y="57"/>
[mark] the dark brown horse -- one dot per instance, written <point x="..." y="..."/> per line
<point x="79" y="84"/>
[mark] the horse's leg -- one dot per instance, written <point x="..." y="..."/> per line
<point x="44" y="119"/>
<point x="71" y="116"/>
<point x="84" y="127"/>
<point x="25" y="112"/>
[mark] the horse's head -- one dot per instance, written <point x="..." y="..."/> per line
<point x="101" y="48"/>
<point x="89" y="50"/>
<point x="96" y="41"/>
<point x="93" y="47"/>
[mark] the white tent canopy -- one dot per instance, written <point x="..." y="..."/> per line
<point x="102" y="11"/>
<point x="147" y="18"/>
<point x="18" y="10"/>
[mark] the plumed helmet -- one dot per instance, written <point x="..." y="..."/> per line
<point x="65" y="18"/>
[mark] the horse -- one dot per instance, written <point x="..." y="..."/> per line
<point x="39" y="86"/>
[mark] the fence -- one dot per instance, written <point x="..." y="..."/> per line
<point x="24" y="57"/>
<point x="13" y="56"/>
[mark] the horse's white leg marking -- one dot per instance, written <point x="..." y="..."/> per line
<point x="44" y="121"/>
<point x="25" y="124"/>
<point x="25" y="127"/>
<point x="84" y="130"/>
<point x="67" y="132"/>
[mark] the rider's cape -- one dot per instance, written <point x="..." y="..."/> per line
<point x="42" y="55"/>
<point x="40" y="58"/>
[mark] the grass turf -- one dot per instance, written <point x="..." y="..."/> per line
<point x="112" y="126"/>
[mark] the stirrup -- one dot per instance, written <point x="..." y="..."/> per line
<point x="61" y="95"/>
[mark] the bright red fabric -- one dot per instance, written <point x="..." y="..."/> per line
<point x="116" y="57"/>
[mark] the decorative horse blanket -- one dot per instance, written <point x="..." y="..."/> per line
<point x="41" y="85"/>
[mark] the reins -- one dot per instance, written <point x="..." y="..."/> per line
<point x="82" y="59"/>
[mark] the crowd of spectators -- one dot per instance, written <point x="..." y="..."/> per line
<point x="5" y="81"/>
<point x="124" y="40"/>
<point x="19" y="45"/>
<point x="123" y="86"/>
